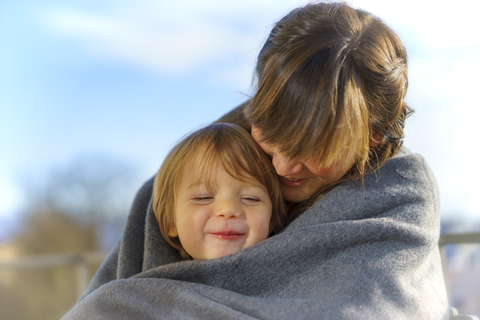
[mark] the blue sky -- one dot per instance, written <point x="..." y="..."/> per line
<point x="130" y="78"/>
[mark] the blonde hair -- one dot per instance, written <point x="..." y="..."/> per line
<point x="226" y="144"/>
<point x="330" y="79"/>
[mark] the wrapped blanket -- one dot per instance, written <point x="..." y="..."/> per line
<point x="361" y="252"/>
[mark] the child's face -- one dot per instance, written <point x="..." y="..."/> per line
<point x="220" y="219"/>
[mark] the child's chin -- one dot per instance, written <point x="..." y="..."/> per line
<point x="221" y="254"/>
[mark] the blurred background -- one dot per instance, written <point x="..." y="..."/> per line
<point x="93" y="94"/>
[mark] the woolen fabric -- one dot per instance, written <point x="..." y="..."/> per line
<point x="363" y="251"/>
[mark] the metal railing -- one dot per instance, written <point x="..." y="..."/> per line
<point x="80" y="261"/>
<point x="457" y="238"/>
<point x="454" y="238"/>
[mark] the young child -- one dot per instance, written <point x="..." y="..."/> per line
<point x="217" y="193"/>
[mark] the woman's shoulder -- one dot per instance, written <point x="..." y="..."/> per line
<point x="406" y="176"/>
<point x="406" y="167"/>
<point x="403" y="152"/>
<point x="404" y="188"/>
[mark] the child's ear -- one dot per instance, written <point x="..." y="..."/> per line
<point x="172" y="232"/>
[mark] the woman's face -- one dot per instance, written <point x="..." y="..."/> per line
<point x="300" y="179"/>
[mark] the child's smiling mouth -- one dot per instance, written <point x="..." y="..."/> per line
<point x="227" y="235"/>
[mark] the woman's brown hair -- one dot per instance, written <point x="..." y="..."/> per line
<point x="228" y="145"/>
<point x="331" y="80"/>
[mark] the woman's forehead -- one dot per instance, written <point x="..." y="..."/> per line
<point x="312" y="156"/>
<point x="266" y="146"/>
<point x="257" y="134"/>
<point x="272" y="149"/>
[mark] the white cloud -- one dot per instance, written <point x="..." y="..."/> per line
<point x="170" y="38"/>
<point x="437" y="23"/>
<point x="181" y="37"/>
<point x="168" y="47"/>
<point x="178" y="37"/>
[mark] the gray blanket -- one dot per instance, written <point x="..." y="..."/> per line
<point x="359" y="253"/>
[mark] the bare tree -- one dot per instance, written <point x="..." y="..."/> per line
<point x="94" y="191"/>
<point x="81" y="206"/>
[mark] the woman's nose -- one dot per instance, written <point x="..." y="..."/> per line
<point x="286" y="167"/>
<point x="228" y="208"/>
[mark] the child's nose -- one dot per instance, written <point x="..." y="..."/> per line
<point x="228" y="208"/>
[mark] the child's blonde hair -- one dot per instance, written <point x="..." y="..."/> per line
<point x="226" y="144"/>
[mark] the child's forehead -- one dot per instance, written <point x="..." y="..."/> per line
<point x="206" y="170"/>
<point x="209" y="173"/>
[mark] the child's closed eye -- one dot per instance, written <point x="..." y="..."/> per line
<point x="249" y="200"/>
<point x="205" y="198"/>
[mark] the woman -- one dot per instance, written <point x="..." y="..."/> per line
<point x="361" y="240"/>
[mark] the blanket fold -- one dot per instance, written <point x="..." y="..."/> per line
<point x="364" y="251"/>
